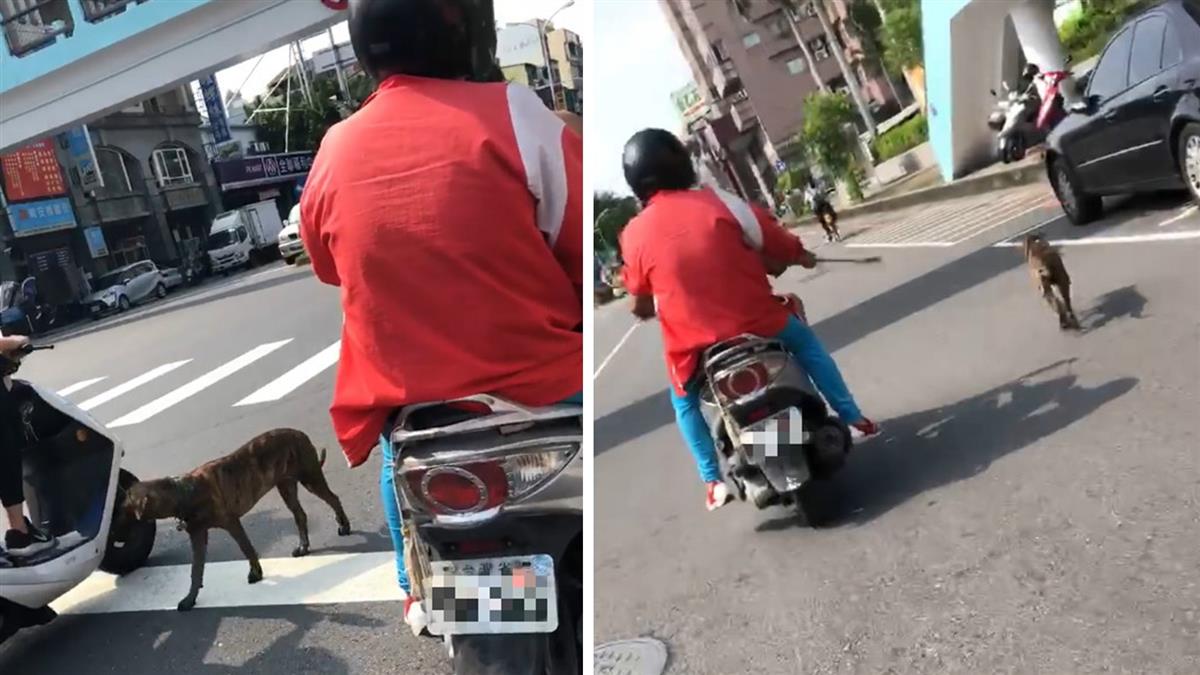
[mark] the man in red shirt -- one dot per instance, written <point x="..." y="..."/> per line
<point x="697" y="258"/>
<point x="448" y="209"/>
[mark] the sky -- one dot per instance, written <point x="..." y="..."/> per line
<point x="253" y="80"/>
<point x="631" y="70"/>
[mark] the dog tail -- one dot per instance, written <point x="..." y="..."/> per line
<point x="321" y="457"/>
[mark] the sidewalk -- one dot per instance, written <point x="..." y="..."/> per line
<point x="926" y="187"/>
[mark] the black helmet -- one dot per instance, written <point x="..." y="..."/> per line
<point x="445" y="39"/>
<point x="656" y="160"/>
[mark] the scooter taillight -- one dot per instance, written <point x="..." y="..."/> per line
<point x="461" y="488"/>
<point x="750" y="377"/>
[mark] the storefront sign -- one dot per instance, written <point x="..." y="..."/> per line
<point x="44" y="261"/>
<point x="32" y="172"/>
<point x="217" y="120"/>
<point x="46" y="215"/>
<point x="262" y="170"/>
<point x="78" y="144"/>
<point x="95" y="241"/>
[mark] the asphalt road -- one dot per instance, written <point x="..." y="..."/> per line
<point x="196" y="335"/>
<point x="1032" y="507"/>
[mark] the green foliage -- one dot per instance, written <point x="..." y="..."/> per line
<point x="868" y="25"/>
<point x="900" y="139"/>
<point x="828" y="141"/>
<point x="1085" y="32"/>
<point x="611" y="212"/>
<point x="903" y="43"/>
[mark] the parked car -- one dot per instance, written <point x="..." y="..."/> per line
<point x="1137" y="128"/>
<point x="171" y="277"/>
<point x="120" y="289"/>
<point x="290" y="245"/>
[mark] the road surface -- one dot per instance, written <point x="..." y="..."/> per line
<point x="1031" y="507"/>
<point x="189" y="380"/>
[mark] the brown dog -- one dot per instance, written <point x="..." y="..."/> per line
<point x="220" y="492"/>
<point x="1047" y="271"/>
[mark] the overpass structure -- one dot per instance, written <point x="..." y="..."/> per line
<point x="970" y="46"/>
<point x="63" y="62"/>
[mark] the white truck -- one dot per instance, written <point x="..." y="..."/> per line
<point x="241" y="237"/>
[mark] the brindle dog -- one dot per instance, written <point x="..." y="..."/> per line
<point x="1047" y="271"/>
<point x="220" y="492"/>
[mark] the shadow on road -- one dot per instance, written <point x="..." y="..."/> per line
<point x="933" y="448"/>
<point x="1126" y="302"/>
<point x="840" y="330"/>
<point x="179" y="643"/>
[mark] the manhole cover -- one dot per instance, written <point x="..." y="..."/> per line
<point x="642" y="656"/>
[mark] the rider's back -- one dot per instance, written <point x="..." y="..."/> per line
<point x="455" y="280"/>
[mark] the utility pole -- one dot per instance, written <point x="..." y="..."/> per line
<point x="337" y="65"/>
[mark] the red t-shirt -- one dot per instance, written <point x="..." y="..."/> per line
<point x="700" y="254"/>
<point x="450" y="213"/>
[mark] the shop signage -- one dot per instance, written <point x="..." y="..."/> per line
<point x="96" y="243"/>
<point x="262" y="170"/>
<point x="32" y="172"/>
<point x="46" y="215"/>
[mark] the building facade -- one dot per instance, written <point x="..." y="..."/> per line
<point x="754" y="76"/>
<point x="548" y="60"/>
<point x="157" y="201"/>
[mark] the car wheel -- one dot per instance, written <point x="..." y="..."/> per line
<point x="160" y="291"/>
<point x="1189" y="159"/>
<point x="122" y="304"/>
<point x="1080" y="207"/>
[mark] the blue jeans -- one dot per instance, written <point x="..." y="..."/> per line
<point x="391" y="507"/>
<point x="802" y="342"/>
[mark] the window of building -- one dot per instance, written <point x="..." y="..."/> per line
<point x="30" y="25"/>
<point x="114" y="171"/>
<point x="171" y="167"/>
<point x="718" y="50"/>
<point x="797" y="65"/>
<point x="808" y="9"/>
<point x="750" y="40"/>
<point x="780" y="25"/>
<point x="98" y="10"/>
<point x="819" y="48"/>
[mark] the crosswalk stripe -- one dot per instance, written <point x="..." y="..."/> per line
<point x="289" y="381"/>
<point x="197" y="385"/>
<point x="126" y="387"/>
<point x="79" y="386"/>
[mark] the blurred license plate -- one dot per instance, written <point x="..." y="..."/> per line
<point x="493" y="595"/>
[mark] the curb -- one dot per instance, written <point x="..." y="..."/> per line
<point x="1026" y="174"/>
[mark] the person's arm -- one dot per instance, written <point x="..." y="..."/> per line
<point x="313" y="209"/>
<point x="634" y="276"/>
<point x="780" y="247"/>
<point x="552" y="155"/>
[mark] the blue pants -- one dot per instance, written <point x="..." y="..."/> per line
<point x="802" y="342"/>
<point x="391" y="507"/>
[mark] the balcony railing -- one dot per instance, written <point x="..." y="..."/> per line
<point x="184" y="197"/>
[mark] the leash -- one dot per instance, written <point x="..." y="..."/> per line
<point x="869" y="259"/>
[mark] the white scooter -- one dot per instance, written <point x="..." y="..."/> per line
<point x="73" y="486"/>
<point x="1014" y="122"/>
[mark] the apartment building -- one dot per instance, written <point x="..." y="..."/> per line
<point x="754" y="76"/>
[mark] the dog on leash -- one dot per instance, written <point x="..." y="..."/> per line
<point x="1048" y="273"/>
<point x="220" y="492"/>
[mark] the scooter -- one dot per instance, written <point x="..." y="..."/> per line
<point x="74" y="486"/>
<point x="774" y="434"/>
<point x="490" y="493"/>
<point x="1023" y="118"/>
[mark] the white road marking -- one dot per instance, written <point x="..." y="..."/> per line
<point x="613" y="353"/>
<point x="906" y="244"/>
<point x="311" y="580"/>
<point x="78" y="386"/>
<point x="1119" y="239"/>
<point x="289" y="381"/>
<point x="197" y="385"/>
<point x="125" y="388"/>
<point x="1182" y="214"/>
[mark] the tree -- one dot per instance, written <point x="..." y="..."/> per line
<point x="308" y="123"/>
<point x="611" y="212"/>
<point x="903" y="43"/>
<point x="828" y="143"/>
<point x="867" y="21"/>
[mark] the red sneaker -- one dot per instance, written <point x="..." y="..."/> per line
<point x="866" y="429"/>
<point x="415" y="617"/>
<point x="718" y="495"/>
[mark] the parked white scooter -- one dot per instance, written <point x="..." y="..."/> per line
<point x="73" y="485"/>
<point x="1014" y="121"/>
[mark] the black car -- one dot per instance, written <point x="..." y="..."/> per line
<point x="1137" y="128"/>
